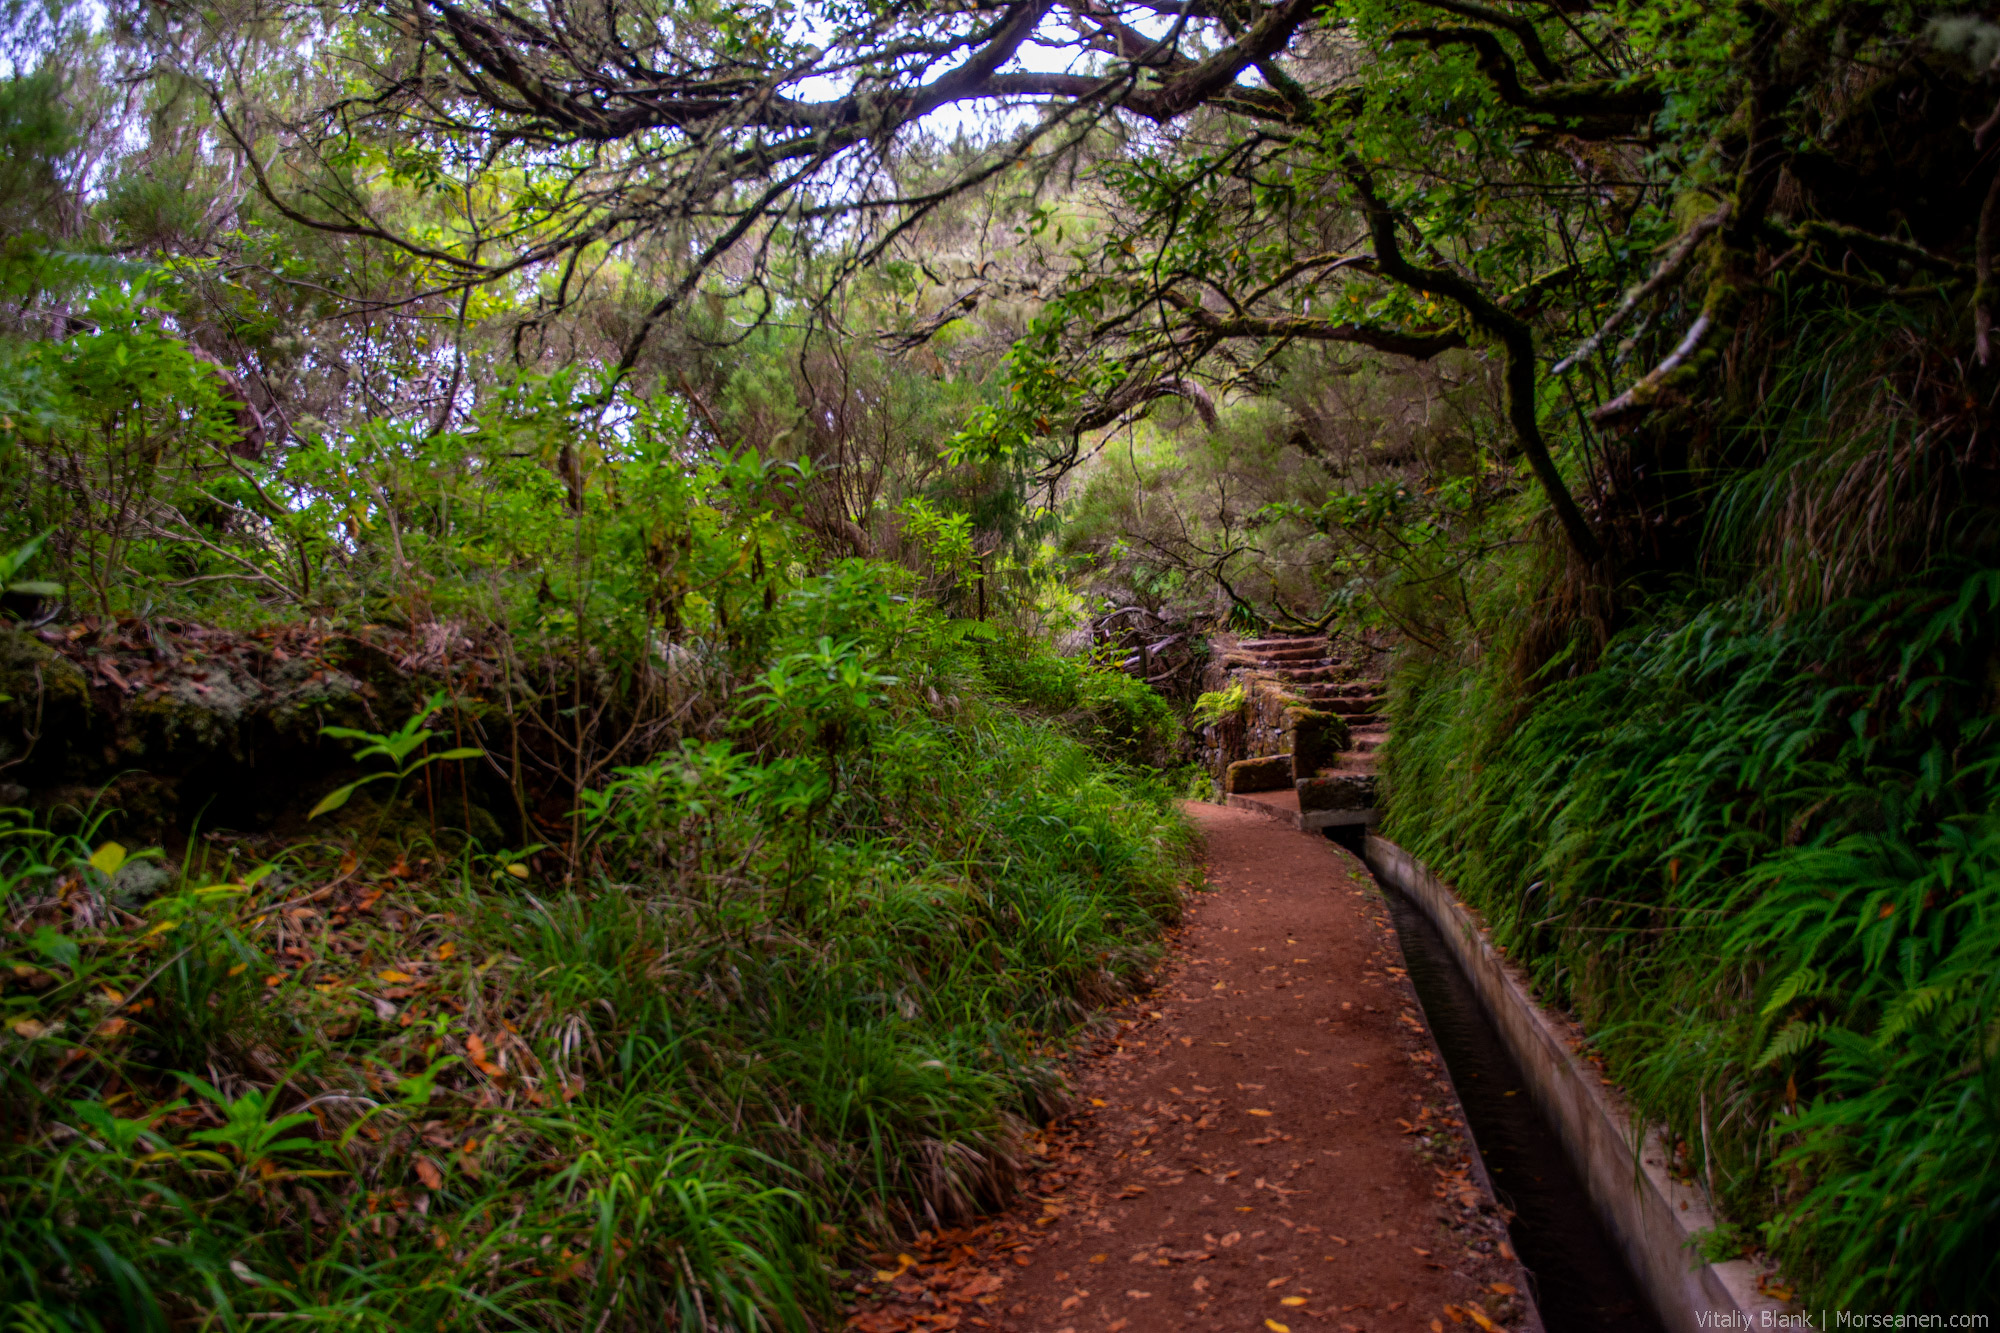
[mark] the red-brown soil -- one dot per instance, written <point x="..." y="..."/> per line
<point x="1269" y="1142"/>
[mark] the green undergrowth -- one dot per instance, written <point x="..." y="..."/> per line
<point x="1121" y="715"/>
<point x="1760" y="860"/>
<point x="806" y="1000"/>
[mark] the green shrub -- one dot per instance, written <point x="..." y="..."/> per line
<point x="802" y="1002"/>
<point x="1122" y="716"/>
<point x="1761" y="861"/>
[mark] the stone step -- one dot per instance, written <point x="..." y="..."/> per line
<point x="1349" y="689"/>
<point x="1352" y="709"/>
<point x="1267" y="772"/>
<point x="1284" y="806"/>
<point x="1345" y="791"/>
<point x="1237" y="661"/>
<point x="1267" y="645"/>
<point x="1316" y="652"/>
<point x="1308" y="675"/>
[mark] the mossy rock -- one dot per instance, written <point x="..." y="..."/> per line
<point x="1318" y="737"/>
<point x="1271" y="773"/>
<point x="46" y="693"/>
<point x="1337" y="791"/>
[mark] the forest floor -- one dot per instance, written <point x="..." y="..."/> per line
<point x="1269" y="1142"/>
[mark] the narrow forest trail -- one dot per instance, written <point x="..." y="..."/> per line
<point x="1269" y="1142"/>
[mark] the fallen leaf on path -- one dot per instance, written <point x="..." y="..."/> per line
<point x="1230" y="1239"/>
<point x="392" y="975"/>
<point x="903" y="1263"/>
<point x="1257" y="1111"/>
<point x="428" y="1173"/>
<point x="1277" y="1327"/>
<point x="1293" y="1300"/>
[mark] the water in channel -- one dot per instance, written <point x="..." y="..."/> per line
<point x="1581" y="1280"/>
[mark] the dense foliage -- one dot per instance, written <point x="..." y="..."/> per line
<point x="801" y="1003"/>
<point x="724" y="410"/>
<point x="1757" y="859"/>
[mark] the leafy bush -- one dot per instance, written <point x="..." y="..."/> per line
<point x="1215" y="705"/>
<point x="1761" y="861"/>
<point x="801" y="1000"/>
<point x="1119" y="714"/>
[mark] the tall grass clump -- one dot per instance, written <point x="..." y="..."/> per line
<point x="1759" y="859"/>
<point x="802" y="999"/>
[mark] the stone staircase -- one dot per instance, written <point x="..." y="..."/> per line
<point x="1302" y="746"/>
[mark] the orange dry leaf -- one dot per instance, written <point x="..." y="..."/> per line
<point x="394" y="976"/>
<point x="445" y="951"/>
<point x="1257" y="1111"/>
<point x="428" y="1173"/>
<point x="475" y="1046"/>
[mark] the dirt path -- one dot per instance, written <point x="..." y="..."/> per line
<point x="1269" y="1143"/>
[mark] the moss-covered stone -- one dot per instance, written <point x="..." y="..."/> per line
<point x="166" y="730"/>
<point x="46" y="695"/>
<point x="1338" y="791"/>
<point x="1318" y="737"/>
<point x="1270" y="773"/>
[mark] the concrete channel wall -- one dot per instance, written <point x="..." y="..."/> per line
<point x="1651" y="1216"/>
